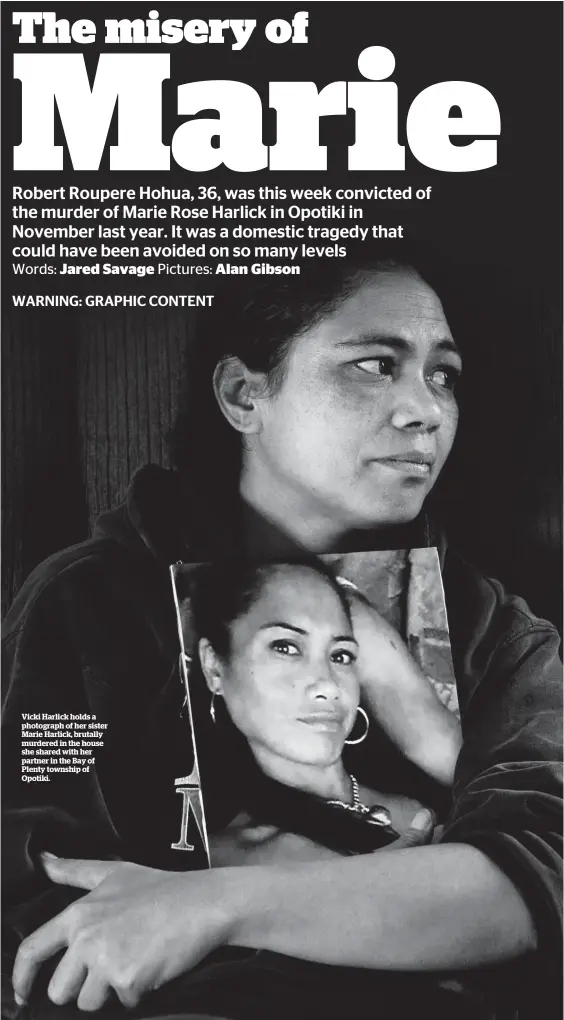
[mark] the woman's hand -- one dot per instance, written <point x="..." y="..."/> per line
<point x="400" y="697"/>
<point x="421" y="831"/>
<point x="135" y="930"/>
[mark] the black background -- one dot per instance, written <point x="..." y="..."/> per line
<point x="87" y="397"/>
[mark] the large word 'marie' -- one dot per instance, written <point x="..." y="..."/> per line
<point x="233" y="136"/>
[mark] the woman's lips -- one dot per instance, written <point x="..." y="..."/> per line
<point x="329" y="722"/>
<point x="417" y="465"/>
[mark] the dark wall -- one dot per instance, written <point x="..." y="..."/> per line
<point x="86" y="401"/>
<point x="129" y="369"/>
<point x="503" y="483"/>
<point x="43" y="499"/>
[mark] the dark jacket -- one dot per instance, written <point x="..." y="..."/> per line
<point x="93" y="630"/>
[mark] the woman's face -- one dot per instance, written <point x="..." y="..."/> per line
<point x="366" y="415"/>
<point x="290" y="683"/>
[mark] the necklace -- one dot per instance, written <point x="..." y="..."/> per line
<point x="376" y="815"/>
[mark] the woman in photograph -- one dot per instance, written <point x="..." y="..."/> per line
<point x="323" y="411"/>
<point x="277" y="645"/>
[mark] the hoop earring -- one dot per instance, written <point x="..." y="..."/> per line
<point x="212" y="707"/>
<point x="365" y="734"/>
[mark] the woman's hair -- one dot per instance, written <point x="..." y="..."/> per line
<point x="224" y="594"/>
<point x="257" y="321"/>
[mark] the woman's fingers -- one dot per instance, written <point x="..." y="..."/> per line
<point x="420" y="831"/>
<point x="33" y="951"/>
<point x="67" y="979"/>
<point x="73" y="980"/>
<point x="113" y="935"/>
<point x="78" y="873"/>
<point x="93" y="994"/>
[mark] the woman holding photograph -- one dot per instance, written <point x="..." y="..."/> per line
<point x="332" y="413"/>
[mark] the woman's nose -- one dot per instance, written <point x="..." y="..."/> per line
<point x="323" y="686"/>
<point x="416" y="407"/>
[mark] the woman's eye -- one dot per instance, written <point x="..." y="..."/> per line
<point x="445" y="377"/>
<point x="380" y="367"/>
<point x="285" y="647"/>
<point x="342" y="657"/>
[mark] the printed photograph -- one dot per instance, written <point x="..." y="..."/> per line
<point x="297" y="661"/>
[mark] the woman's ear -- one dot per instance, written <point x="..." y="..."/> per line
<point x="212" y="666"/>
<point x="238" y="391"/>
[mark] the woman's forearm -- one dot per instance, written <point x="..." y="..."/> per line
<point x="438" y="907"/>
<point x="400" y="697"/>
<point x="406" y="705"/>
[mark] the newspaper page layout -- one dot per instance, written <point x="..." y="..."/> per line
<point x="282" y="509"/>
